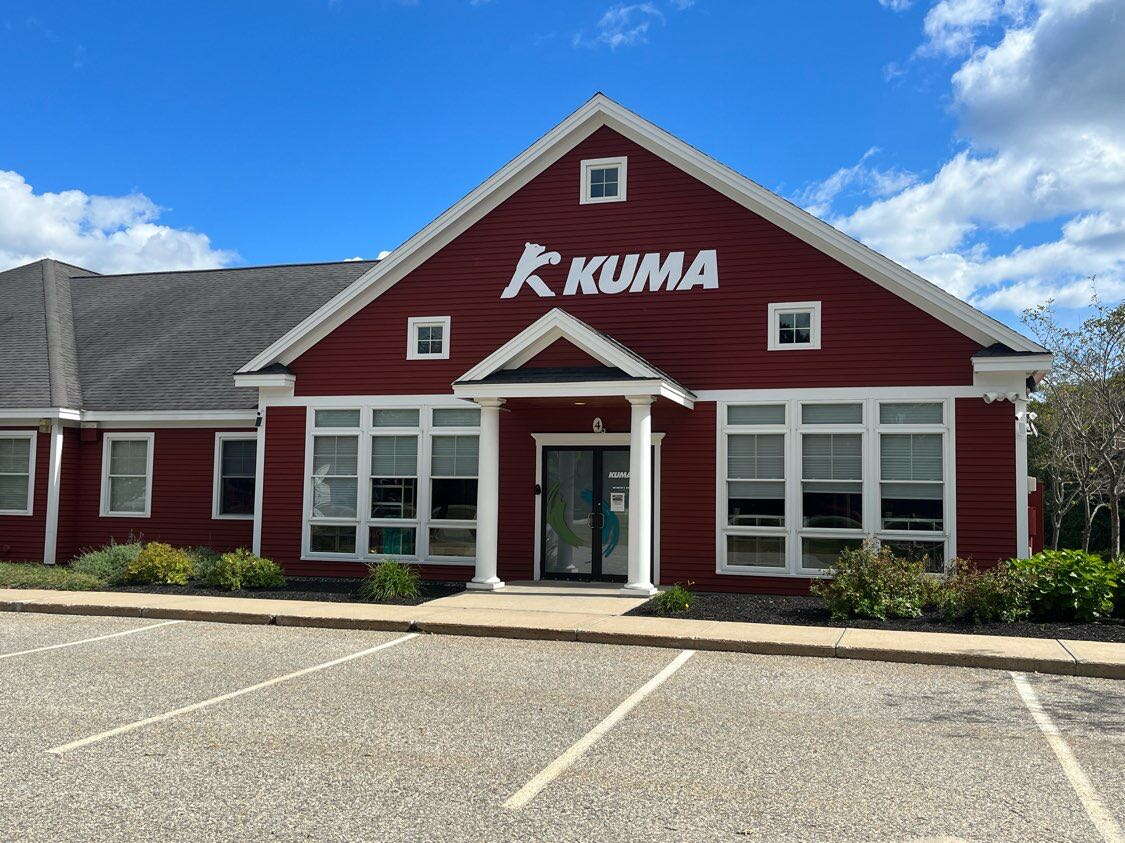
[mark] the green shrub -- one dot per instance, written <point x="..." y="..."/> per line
<point x="159" y="564"/>
<point x="237" y="570"/>
<point x="674" y="600"/>
<point x="871" y="582"/>
<point x="107" y="563"/>
<point x="36" y="575"/>
<point x="995" y="595"/>
<point x="1119" y="595"/>
<point x="390" y="581"/>
<point x="1068" y="585"/>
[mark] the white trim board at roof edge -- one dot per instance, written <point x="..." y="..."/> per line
<point x="601" y="111"/>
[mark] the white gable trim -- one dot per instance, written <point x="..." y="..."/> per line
<point x="601" y="111"/>
<point x="554" y="325"/>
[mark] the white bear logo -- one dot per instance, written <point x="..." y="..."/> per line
<point x="534" y="257"/>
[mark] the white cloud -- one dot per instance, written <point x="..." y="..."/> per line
<point x="103" y="233"/>
<point x="627" y="24"/>
<point x="862" y="177"/>
<point x="896" y="5"/>
<point x="1040" y="102"/>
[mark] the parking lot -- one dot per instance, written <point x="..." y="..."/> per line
<point x="181" y="730"/>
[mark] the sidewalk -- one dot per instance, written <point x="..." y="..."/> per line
<point x="598" y="620"/>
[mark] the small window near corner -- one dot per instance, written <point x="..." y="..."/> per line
<point x="793" y="326"/>
<point x="427" y="338"/>
<point x="603" y="180"/>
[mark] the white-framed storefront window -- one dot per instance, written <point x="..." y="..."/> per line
<point x="385" y="482"/>
<point x="800" y="480"/>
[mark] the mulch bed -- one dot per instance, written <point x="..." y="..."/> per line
<point x="334" y="589"/>
<point x="809" y="611"/>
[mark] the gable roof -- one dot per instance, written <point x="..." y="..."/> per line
<point x="619" y="362"/>
<point x="157" y="341"/>
<point x="601" y="111"/>
<point x="37" y="344"/>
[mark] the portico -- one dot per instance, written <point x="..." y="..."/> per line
<point x="505" y="377"/>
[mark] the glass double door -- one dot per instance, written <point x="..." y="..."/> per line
<point x="585" y="500"/>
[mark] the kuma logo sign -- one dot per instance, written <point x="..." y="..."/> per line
<point x="613" y="274"/>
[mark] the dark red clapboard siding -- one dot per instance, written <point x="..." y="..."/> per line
<point x="282" y="494"/>
<point x="560" y="353"/>
<point x="183" y="473"/>
<point x="71" y="493"/>
<point x="706" y="339"/>
<point x="986" y="480"/>
<point x="21" y="536"/>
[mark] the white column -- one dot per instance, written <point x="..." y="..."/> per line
<point x="640" y="498"/>
<point x="1023" y="549"/>
<point x="488" y="496"/>
<point x="54" y="483"/>
<point x="259" y="480"/>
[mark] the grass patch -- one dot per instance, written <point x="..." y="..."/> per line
<point x="36" y="575"/>
<point x="673" y="601"/>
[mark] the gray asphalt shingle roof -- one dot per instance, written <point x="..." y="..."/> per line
<point x="150" y="341"/>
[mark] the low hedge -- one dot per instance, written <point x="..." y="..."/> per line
<point x="38" y="575"/>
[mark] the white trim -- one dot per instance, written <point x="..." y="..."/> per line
<point x="589" y="164"/>
<point x="327" y="402"/>
<point x="839" y="393"/>
<point x="150" y="438"/>
<point x="413" y="323"/>
<point x="774" y="311"/>
<point x="601" y="111"/>
<point x="605" y="440"/>
<point x="1023" y="548"/>
<point x="584" y="389"/>
<point x="259" y="484"/>
<point x="870" y="430"/>
<point x="40" y="413"/>
<point x="54" y="484"/>
<point x="33" y="437"/>
<point x="554" y="325"/>
<point x="217" y="475"/>
<point x="1019" y="363"/>
<point x="260" y="379"/>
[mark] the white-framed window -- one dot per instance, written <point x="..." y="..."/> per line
<point x="418" y="500"/>
<point x="793" y="326"/>
<point x="235" y="475"/>
<point x="849" y="471"/>
<point x="603" y="180"/>
<point x="427" y="337"/>
<point x="17" y="472"/>
<point x="127" y="475"/>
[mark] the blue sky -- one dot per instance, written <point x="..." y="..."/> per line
<point x="229" y="133"/>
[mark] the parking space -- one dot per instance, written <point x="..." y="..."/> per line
<point x="427" y="739"/>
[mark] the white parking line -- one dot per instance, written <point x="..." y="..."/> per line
<point x="86" y="640"/>
<point x="553" y="770"/>
<point x="128" y="727"/>
<point x="1101" y="817"/>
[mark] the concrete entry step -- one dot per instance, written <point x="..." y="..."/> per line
<point x="546" y="596"/>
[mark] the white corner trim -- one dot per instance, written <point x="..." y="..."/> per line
<point x="104" y="510"/>
<point x="54" y="483"/>
<point x="601" y="111"/>
<point x="217" y="475"/>
<point x="259" y="483"/>
<point x="588" y="164"/>
<point x="774" y="312"/>
<point x="413" y="323"/>
<point x="554" y="325"/>
<point x="33" y="439"/>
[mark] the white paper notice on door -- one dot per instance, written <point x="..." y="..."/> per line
<point x="616" y="501"/>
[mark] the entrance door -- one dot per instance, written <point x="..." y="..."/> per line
<point x="585" y="500"/>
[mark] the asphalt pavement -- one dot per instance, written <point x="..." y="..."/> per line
<point x="140" y="729"/>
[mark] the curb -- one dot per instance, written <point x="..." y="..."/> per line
<point x="992" y="652"/>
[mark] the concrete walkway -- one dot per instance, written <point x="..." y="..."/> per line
<point x="585" y="615"/>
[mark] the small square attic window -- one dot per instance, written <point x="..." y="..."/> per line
<point x="427" y="338"/>
<point x="793" y="325"/>
<point x="603" y="180"/>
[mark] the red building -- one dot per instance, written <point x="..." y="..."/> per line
<point x="616" y="359"/>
